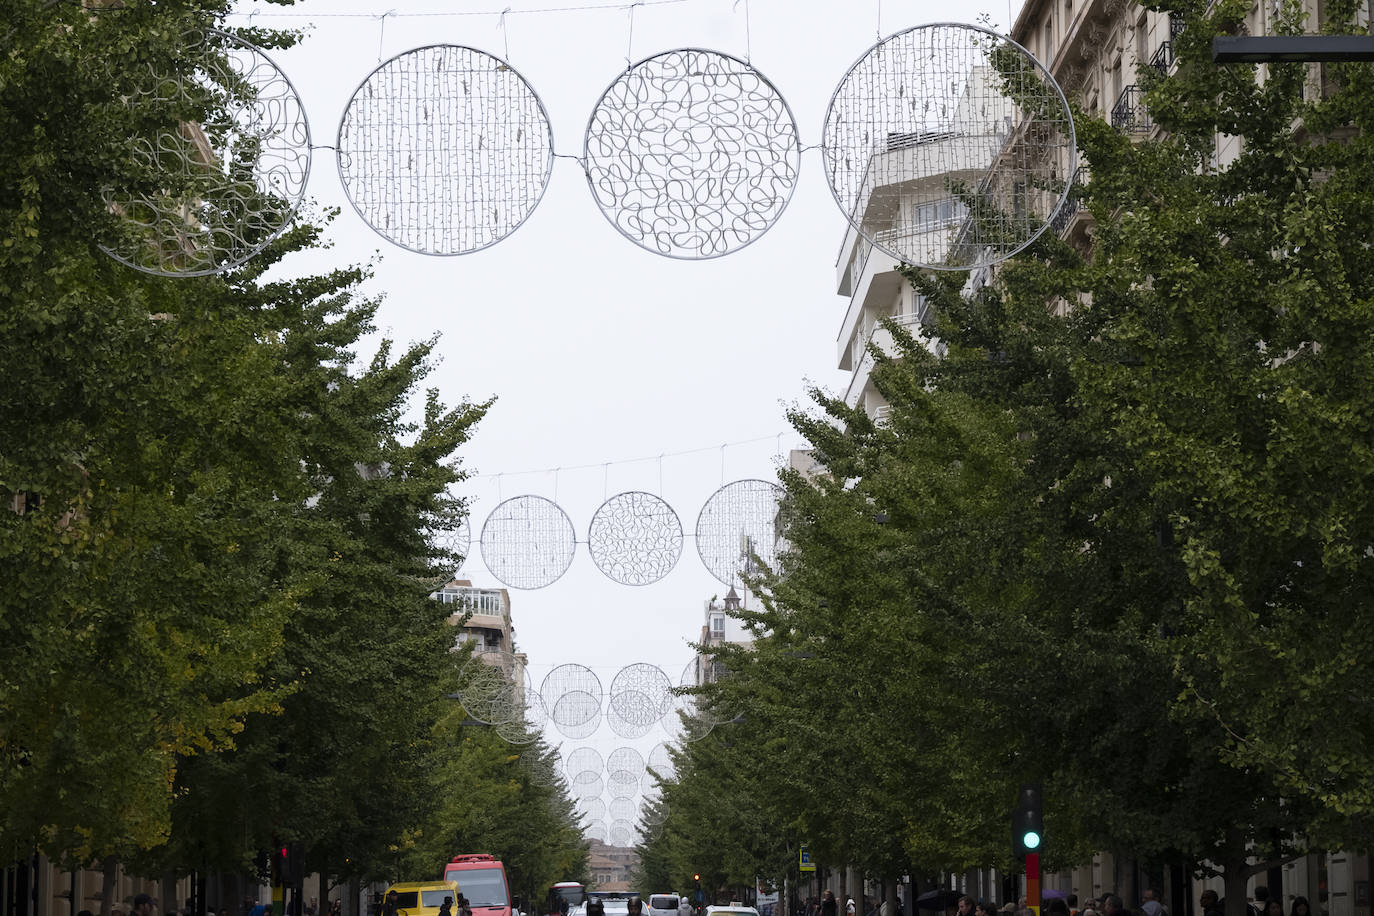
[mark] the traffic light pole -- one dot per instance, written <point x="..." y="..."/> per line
<point x="1033" y="882"/>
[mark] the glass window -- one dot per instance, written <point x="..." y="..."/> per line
<point x="482" y="886"/>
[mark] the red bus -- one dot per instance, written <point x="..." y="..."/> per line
<point x="482" y="880"/>
<point x="565" y="896"/>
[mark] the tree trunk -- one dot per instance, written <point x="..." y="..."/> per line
<point x="109" y="871"/>
<point x="167" y="894"/>
<point x="1236" y="877"/>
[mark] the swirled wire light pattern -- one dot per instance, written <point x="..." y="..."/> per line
<point x="225" y="169"/>
<point x="457" y="540"/>
<point x="739" y="522"/>
<point x="948" y="146"/>
<point x="692" y="154"/>
<point x="445" y="150"/>
<point x="528" y="542"/>
<point x="635" y="538"/>
<point x="490" y="691"/>
<point x="525" y="728"/>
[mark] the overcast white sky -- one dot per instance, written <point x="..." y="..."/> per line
<point x="597" y="350"/>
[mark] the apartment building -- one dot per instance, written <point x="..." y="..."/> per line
<point x="920" y="216"/>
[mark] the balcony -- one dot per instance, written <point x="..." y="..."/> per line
<point x="1162" y="61"/>
<point x="1129" y="113"/>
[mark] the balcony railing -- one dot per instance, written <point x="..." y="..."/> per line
<point x="1163" y="58"/>
<point x="1129" y="112"/>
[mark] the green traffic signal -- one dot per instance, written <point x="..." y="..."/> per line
<point x="1027" y="821"/>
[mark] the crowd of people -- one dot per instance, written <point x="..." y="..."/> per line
<point x="1059" y="904"/>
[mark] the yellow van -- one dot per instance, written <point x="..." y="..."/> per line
<point x="423" y="898"/>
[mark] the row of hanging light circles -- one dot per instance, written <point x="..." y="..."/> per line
<point x="635" y="538"/>
<point x="692" y="154"/>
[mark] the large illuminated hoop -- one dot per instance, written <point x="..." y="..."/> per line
<point x="692" y="154"/>
<point x="225" y="164"/>
<point x="948" y="146"/>
<point x="528" y="542"/>
<point x="738" y="523"/>
<point x="635" y="538"/>
<point x="445" y="150"/>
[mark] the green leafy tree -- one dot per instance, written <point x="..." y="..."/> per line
<point x="144" y="442"/>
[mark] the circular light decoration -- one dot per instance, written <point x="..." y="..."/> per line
<point x="739" y="522"/>
<point x="635" y="538"/>
<point x="587" y="785"/>
<point x="640" y="696"/>
<point x="528" y="542"/>
<point x="624" y="766"/>
<point x="445" y="150"/>
<point x="572" y="696"/>
<point x="622" y="833"/>
<point x="528" y="720"/>
<point x="597" y="830"/>
<point x="660" y="762"/>
<point x="585" y="760"/>
<point x="223" y="163"/>
<point x="692" y="154"/>
<point x="948" y="146"/>
<point x="457" y="540"/>
<point x="489" y="690"/>
<point x="622" y="789"/>
<point x="622" y="809"/>
<point x="689" y="720"/>
<point x="591" y="809"/>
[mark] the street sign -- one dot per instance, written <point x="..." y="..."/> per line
<point x="804" y="862"/>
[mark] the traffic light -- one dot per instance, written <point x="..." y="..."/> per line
<point x="1027" y="821"/>
<point x="696" y="877"/>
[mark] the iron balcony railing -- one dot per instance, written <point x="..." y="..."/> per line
<point x="1129" y="112"/>
<point x="1163" y="58"/>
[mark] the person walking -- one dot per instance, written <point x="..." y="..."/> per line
<point x="828" y="905"/>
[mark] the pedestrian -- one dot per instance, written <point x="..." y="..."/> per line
<point x="684" y="906"/>
<point x="987" y="909"/>
<point x="964" y="907"/>
<point x="1071" y="902"/>
<point x="143" y="906"/>
<point x="1056" y="907"/>
<point x="1112" y="905"/>
<point x="849" y="906"/>
<point x="465" y="908"/>
<point x="828" y="905"/>
<point x="389" y="905"/>
<point x="1300" y="907"/>
<point x="635" y="907"/>
<point x="1211" y="906"/>
<point x="336" y="907"/>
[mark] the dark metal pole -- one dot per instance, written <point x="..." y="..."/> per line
<point x="1265" y="49"/>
